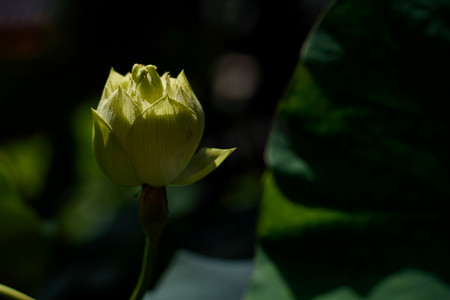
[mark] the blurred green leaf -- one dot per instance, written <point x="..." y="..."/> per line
<point x="364" y="113"/>
<point x="91" y="208"/>
<point x="17" y="218"/>
<point x="410" y="285"/>
<point x="404" y="285"/>
<point x="24" y="165"/>
<point x="282" y="218"/>
<point x="23" y="168"/>
<point x="267" y="272"/>
<point x="342" y="293"/>
<point x="357" y="185"/>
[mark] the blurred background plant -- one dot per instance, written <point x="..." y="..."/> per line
<point x="355" y="181"/>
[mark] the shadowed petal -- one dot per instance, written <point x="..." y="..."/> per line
<point x="110" y="155"/>
<point x="186" y="95"/>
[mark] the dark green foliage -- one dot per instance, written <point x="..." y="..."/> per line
<point x="358" y="183"/>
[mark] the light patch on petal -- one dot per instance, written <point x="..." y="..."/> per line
<point x="204" y="162"/>
<point x="163" y="140"/>
<point x="110" y="155"/>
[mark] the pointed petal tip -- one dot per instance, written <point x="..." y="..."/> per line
<point x="181" y="78"/>
<point x="99" y="120"/>
<point x="120" y="90"/>
<point x="204" y="162"/>
<point x="95" y="115"/>
<point x="113" y="73"/>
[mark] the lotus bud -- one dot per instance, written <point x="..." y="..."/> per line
<point x="147" y="129"/>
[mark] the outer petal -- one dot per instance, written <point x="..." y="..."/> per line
<point x="182" y="80"/>
<point x="187" y="92"/>
<point x="114" y="81"/>
<point x="110" y="155"/>
<point x="169" y="85"/>
<point x="204" y="162"/>
<point x="119" y="111"/>
<point x="191" y="102"/>
<point x="163" y="140"/>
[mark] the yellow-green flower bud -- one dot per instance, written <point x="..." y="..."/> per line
<point x="147" y="129"/>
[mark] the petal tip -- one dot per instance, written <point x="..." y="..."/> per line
<point x="204" y="162"/>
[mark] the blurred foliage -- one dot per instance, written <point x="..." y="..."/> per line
<point x="23" y="169"/>
<point x="27" y="239"/>
<point x="405" y="285"/>
<point x="357" y="185"/>
<point x="24" y="165"/>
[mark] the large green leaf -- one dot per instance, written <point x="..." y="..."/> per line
<point x="357" y="182"/>
<point x="366" y="108"/>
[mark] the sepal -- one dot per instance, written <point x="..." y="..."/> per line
<point x="204" y="162"/>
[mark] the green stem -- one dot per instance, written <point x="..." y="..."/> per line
<point x="148" y="264"/>
<point x="12" y="293"/>
<point x="153" y="217"/>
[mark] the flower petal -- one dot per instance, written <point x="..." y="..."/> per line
<point x="114" y="81"/>
<point x="119" y="111"/>
<point x="184" y="98"/>
<point x="169" y="85"/>
<point x="190" y="99"/>
<point x="204" y="162"/>
<point x="110" y="155"/>
<point x="148" y="82"/>
<point x="182" y="80"/>
<point x="163" y="140"/>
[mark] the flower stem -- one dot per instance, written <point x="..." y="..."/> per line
<point x="148" y="264"/>
<point x="153" y="216"/>
<point x="12" y="293"/>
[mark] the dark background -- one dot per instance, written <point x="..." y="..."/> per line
<point x="55" y="57"/>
